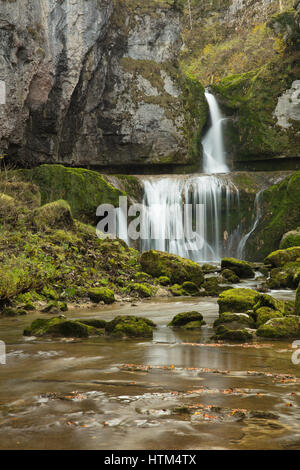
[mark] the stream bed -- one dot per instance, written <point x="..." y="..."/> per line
<point x="177" y="391"/>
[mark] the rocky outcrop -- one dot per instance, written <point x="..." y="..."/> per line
<point x="95" y="84"/>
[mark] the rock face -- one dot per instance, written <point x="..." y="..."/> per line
<point x="93" y="84"/>
<point x="288" y="106"/>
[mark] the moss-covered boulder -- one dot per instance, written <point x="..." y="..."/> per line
<point x="237" y="300"/>
<point x="101" y="294"/>
<point x="61" y="327"/>
<point x="186" y="318"/>
<point x="130" y="326"/>
<point x="178" y="291"/>
<point x="230" y="276"/>
<point x="242" y="269"/>
<point x="190" y="288"/>
<point x="235" y="321"/>
<point x="225" y="333"/>
<point x="290" y="239"/>
<point x="266" y="300"/>
<point x="179" y="270"/>
<point x="279" y="258"/>
<point x="142" y="290"/>
<point x="212" y="287"/>
<point x="53" y="215"/>
<point x="286" y="327"/>
<point x="265" y="314"/>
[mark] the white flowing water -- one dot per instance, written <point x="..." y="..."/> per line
<point x="165" y="219"/>
<point x="168" y="224"/>
<point x="214" y="157"/>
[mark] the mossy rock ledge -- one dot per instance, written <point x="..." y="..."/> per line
<point x="279" y="258"/>
<point x="242" y="269"/>
<point x="188" y="320"/>
<point x="177" y="269"/>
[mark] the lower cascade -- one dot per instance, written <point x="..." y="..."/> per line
<point x="167" y="223"/>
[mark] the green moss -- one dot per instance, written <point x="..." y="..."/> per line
<point x="84" y="190"/>
<point x="101" y="294"/>
<point x="290" y="239"/>
<point x="53" y="215"/>
<point x="143" y="290"/>
<point x="185" y="318"/>
<point x="193" y="325"/>
<point x="230" y="276"/>
<point x="266" y="300"/>
<point x="212" y="287"/>
<point x="235" y="320"/>
<point x="224" y="333"/>
<point x="237" y="300"/>
<point x="179" y="270"/>
<point x="242" y="269"/>
<point x="190" y="288"/>
<point x="130" y="326"/>
<point x="265" y="314"/>
<point x="281" y="257"/>
<point x="164" y="280"/>
<point x="287" y="327"/>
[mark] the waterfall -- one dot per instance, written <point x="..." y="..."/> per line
<point x="164" y="216"/>
<point x="214" y="156"/>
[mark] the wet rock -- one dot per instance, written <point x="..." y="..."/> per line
<point x="242" y="269"/>
<point x="286" y="327"/>
<point x="290" y="239"/>
<point x="190" y="288"/>
<point x="230" y="276"/>
<point x="130" y="326"/>
<point x="264" y="314"/>
<point x="212" y="287"/>
<point x="237" y="300"/>
<point x="279" y="258"/>
<point x="179" y="270"/>
<point x="225" y="333"/>
<point x="185" y="318"/>
<point x="235" y="321"/>
<point x="61" y="327"/>
<point x="266" y="300"/>
<point x="101" y="294"/>
<point x="13" y="312"/>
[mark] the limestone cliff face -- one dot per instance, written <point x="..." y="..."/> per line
<point x="92" y="83"/>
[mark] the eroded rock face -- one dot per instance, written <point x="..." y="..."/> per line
<point x="91" y="84"/>
<point x="288" y="106"/>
